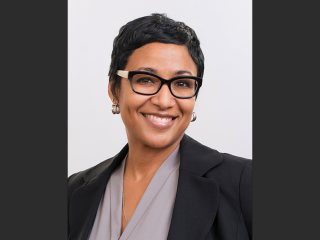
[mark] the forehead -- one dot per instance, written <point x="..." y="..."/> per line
<point x="163" y="58"/>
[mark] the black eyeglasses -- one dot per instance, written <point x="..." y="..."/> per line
<point x="147" y="83"/>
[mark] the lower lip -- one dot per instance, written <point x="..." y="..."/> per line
<point x="160" y="125"/>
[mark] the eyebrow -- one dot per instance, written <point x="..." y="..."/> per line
<point x="152" y="70"/>
<point x="182" y="72"/>
<point x="148" y="69"/>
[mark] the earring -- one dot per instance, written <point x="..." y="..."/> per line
<point x="115" y="108"/>
<point x="194" y="117"/>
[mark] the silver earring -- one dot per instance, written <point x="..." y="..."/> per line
<point x="194" y="117"/>
<point x="115" y="108"/>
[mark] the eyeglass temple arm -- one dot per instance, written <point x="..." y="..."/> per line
<point x="123" y="74"/>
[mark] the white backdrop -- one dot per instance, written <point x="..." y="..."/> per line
<point x="224" y="104"/>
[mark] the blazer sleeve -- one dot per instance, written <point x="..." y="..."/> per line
<point x="246" y="196"/>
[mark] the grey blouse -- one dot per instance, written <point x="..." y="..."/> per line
<point x="152" y="217"/>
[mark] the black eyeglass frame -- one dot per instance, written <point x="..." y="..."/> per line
<point x="130" y="74"/>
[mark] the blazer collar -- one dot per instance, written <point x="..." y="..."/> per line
<point x="196" y="199"/>
<point x="105" y="168"/>
<point x="195" y="158"/>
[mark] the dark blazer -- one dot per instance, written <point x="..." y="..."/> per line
<point x="213" y="200"/>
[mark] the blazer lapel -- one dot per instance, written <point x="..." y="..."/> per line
<point x="88" y="197"/>
<point x="197" y="197"/>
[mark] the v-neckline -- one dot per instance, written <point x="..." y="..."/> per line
<point x="159" y="178"/>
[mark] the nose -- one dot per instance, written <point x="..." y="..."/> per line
<point x="164" y="99"/>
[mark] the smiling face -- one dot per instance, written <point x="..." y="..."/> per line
<point x="159" y="120"/>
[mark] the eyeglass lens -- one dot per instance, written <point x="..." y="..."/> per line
<point x="148" y="84"/>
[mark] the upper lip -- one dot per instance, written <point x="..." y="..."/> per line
<point x="161" y="115"/>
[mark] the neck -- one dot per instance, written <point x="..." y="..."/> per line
<point x="143" y="161"/>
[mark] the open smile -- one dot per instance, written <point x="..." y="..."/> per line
<point x="160" y="121"/>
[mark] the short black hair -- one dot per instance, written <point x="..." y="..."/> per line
<point x="154" y="28"/>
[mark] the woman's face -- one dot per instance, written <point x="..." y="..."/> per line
<point x="159" y="120"/>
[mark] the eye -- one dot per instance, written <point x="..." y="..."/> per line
<point x="145" y="80"/>
<point x="182" y="84"/>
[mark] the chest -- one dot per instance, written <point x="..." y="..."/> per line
<point x="132" y="194"/>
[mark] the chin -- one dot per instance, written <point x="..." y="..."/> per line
<point x="161" y="140"/>
<point x="157" y="144"/>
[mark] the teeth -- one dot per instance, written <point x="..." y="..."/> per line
<point x="162" y="120"/>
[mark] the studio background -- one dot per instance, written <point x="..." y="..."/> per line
<point x="224" y="104"/>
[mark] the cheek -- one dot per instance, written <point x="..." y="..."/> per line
<point x="130" y="102"/>
<point x="126" y="97"/>
<point x="187" y="106"/>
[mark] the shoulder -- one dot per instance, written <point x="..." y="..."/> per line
<point x="233" y="175"/>
<point x="206" y="161"/>
<point x="81" y="178"/>
<point x="101" y="170"/>
<point x="231" y="169"/>
<point x="236" y="163"/>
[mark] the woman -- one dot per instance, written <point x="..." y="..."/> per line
<point x="162" y="184"/>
